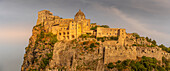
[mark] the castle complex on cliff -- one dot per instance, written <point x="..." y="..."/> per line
<point x="69" y="29"/>
<point x="85" y="46"/>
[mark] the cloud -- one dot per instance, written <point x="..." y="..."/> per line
<point x="139" y="27"/>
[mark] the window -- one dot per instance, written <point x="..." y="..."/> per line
<point x="68" y="33"/>
<point x="67" y="37"/>
<point x="72" y="36"/>
<point x="59" y="33"/>
<point x="115" y="34"/>
<point x="72" y="24"/>
<point x="64" y="33"/>
<point x="110" y="33"/>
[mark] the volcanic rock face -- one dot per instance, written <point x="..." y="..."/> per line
<point x="45" y="53"/>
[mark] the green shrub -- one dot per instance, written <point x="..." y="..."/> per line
<point x="44" y="63"/>
<point x="110" y="66"/>
<point x="53" y="40"/>
<point x="92" y="36"/>
<point x="97" y="43"/>
<point x="73" y="47"/>
<point x="102" y="40"/>
<point x="105" y="26"/>
<point x="118" y="61"/>
<point x="114" y="38"/>
<point x="85" y="47"/>
<point x="84" y="42"/>
<point x="134" y="45"/>
<point x="93" y="28"/>
<point x="49" y="55"/>
<point x="92" y="45"/>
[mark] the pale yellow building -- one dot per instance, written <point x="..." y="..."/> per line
<point x="69" y="29"/>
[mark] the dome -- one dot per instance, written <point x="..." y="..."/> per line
<point x="79" y="13"/>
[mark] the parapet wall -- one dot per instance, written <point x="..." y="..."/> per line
<point x="155" y="52"/>
<point x="113" y="54"/>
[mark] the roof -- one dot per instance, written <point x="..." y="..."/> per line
<point x="80" y="13"/>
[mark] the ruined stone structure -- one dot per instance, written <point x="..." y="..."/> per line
<point x="69" y="29"/>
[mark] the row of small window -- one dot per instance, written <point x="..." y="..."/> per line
<point x="110" y="34"/>
<point x="64" y="33"/>
<point x="65" y="28"/>
<point x="62" y="21"/>
<point x="115" y="30"/>
<point x="68" y="37"/>
<point x="45" y="13"/>
<point x="46" y="17"/>
<point x="107" y="34"/>
<point x="74" y="25"/>
<point x="65" y="37"/>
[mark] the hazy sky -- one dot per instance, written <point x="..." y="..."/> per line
<point x="17" y="17"/>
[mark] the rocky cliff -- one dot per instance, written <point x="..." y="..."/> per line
<point x="46" y="53"/>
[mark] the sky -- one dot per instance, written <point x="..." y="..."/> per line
<point x="17" y="18"/>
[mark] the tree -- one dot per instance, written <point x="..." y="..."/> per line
<point x="105" y="26"/>
<point x="164" y="48"/>
<point x="147" y="38"/>
<point x="93" y="28"/>
<point x="154" y="42"/>
<point x="136" y="35"/>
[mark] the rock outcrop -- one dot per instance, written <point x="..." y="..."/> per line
<point x="45" y="53"/>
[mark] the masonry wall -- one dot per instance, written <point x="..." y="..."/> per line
<point x="113" y="54"/>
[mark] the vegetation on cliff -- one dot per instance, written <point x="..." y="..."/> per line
<point x="141" y="64"/>
<point x="88" y="53"/>
<point x="40" y="49"/>
<point x="154" y="43"/>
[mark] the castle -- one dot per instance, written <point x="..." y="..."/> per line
<point x="69" y="29"/>
<point x="45" y="53"/>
